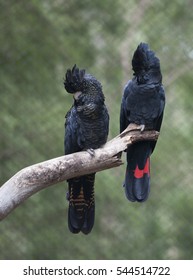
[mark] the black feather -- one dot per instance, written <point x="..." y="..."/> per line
<point x="146" y="65"/>
<point x="74" y="79"/>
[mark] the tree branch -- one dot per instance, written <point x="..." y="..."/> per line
<point x="41" y="175"/>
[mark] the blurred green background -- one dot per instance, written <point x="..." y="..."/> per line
<point x="39" y="40"/>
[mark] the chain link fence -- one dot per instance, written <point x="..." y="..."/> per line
<point x="39" y="40"/>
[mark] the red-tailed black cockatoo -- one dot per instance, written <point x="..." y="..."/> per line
<point x="143" y="103"/>
<point x="86" y="128"/>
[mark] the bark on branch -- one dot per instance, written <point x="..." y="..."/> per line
<point x="41" y="175"/>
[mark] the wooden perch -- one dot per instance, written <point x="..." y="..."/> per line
<point x="41" y="175"/>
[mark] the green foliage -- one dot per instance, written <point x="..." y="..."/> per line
<point x="39" y="40"/>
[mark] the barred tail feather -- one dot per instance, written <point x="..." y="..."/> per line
<point x="137" y="183"/>
<point x="88" y="183"/>
<point x="81" y="211"/>
<point x="76" y="206"/>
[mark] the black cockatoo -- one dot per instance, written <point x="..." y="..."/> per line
<point x="86" y="128"/>
<point x="143" y="103"/>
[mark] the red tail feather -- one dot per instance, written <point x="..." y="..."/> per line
<point x="138" y="173"/>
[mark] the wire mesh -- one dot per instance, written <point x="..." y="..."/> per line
<point x="39" y="40"/>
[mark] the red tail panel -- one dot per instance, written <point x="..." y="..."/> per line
<point x="138" y="173"/>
